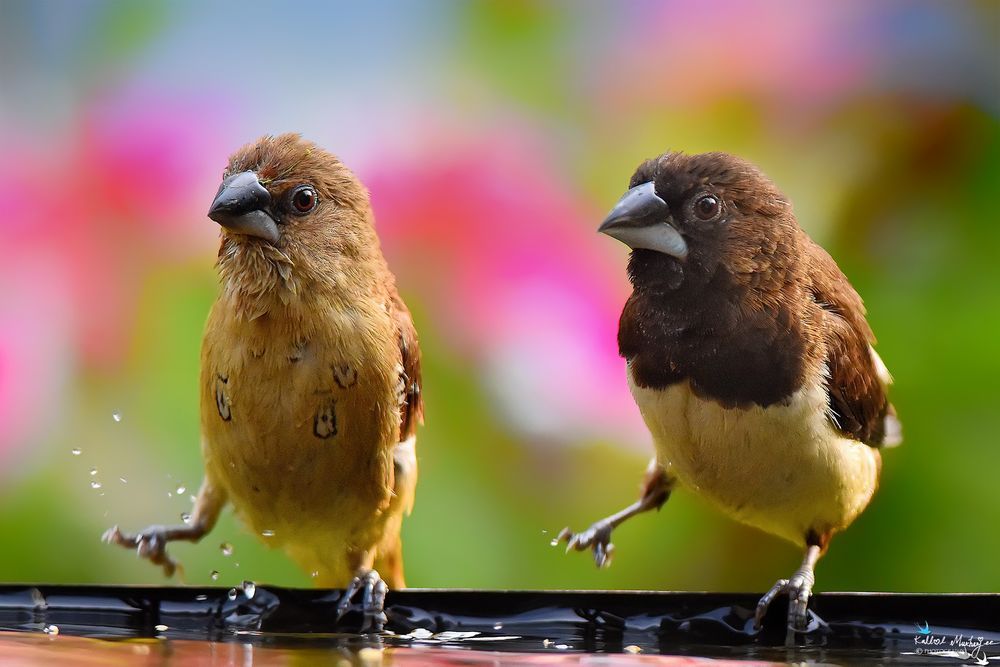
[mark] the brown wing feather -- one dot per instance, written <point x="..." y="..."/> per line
<point x="412" y="407"/>
<point x="859" y="405"/>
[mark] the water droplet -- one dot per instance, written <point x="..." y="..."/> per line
<point x="226" y="548"/>
<point x="93" y="471"/>
<point x="267" y="533"/>
<point x="314" y="574"/>
<point x="632" y="648"/>
<point x="214" y="575"/>
<point x="170" y="494"/>
<point x="95" y="484"/>
<point x="160" y="628"/>
<point x="117" y="416"/>
<point x="76" y="451"/>
<point x="186" y="517"/>
<point x="498" y="626"/>
<point x="123" y="480"/>
<point x="236" y="563"/>
<point x="51" y="629"/>
<point x="249" y="589"/>
<point x="233" y="593"/>
<point x="192" y="497"/>
<point x="201" y="598"/>
<point x="181" y="489"/>
<point x="554" y="542"/>
<point x="562" y="647"/>
<point x="547" y="643"/>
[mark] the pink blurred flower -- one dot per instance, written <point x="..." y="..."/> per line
<point x="35" y="351"/>
<point x="86" y="213"/>
<point x="779" y="53"/>
<point x="514" y="276"/>
<point x="107" y="200"/>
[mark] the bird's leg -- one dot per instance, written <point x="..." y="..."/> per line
<point x="373" y="591"/>
<point x="798" y="588"/>
<point x="656" y="487"/>
<point x="151" y="542"/>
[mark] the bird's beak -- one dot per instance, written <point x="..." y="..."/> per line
<point x="242" y="207"/>
<point x="641" y="219"/>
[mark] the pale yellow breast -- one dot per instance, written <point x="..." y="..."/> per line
<point x="299" y="426"/>
<point x="783" y="469"/>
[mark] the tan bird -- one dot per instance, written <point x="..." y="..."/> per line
<point x="750" y="359"/>
<point x="310" y="376"/>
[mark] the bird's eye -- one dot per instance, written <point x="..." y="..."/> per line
<point x="707" y="207"/>
<point x="304" y="199"/>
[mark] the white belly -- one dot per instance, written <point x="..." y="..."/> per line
<point x="783" y="469"/>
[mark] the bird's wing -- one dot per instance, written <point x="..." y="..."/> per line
<point x="412" y="406"/>
<point x="858" y="380"/>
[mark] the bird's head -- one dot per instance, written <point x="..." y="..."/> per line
<point x="686" y="217"/>
<point x="288" y="193"/>
<point x="295" y="222"/>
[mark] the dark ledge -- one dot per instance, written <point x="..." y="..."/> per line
<point x="887" y="624"/>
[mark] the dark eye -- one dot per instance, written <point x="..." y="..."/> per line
<point x="304" y="199"/>
<point x="707" y="207"/>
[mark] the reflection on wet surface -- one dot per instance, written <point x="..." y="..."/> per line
<point x="256" y="624"/>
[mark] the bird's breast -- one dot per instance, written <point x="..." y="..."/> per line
<point x="782" y="468"/>
<point x="300" y="428"/>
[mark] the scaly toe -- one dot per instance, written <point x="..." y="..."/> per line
<point x="372" y="601"/>
<point x="779" y="587"/>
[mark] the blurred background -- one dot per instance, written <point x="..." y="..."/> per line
<point x="493" y="136"/>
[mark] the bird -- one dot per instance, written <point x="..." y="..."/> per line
<point x="310" y="383"/>
<point x="750" y="358"/>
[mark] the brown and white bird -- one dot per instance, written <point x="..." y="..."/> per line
<point x="310" y="376"/>
<point x="750" y="359"/>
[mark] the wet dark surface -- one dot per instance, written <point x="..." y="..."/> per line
<point x="846" y="627"/>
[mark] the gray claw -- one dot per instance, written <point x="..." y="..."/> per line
<point x="596" y="538"/>
<point x="372" y="600"/>
<point x="150" y="544"/>
<point x="799" y="590"/>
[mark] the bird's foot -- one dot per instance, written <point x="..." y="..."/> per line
<point x="372" y="600"/>
<point x="597" y="538"/>
<point x="150" y="543"/>
<point x="799" y="590"/>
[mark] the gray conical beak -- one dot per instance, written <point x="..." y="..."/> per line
<point x="641" y="219"/>
<point x="242" y="205"/>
